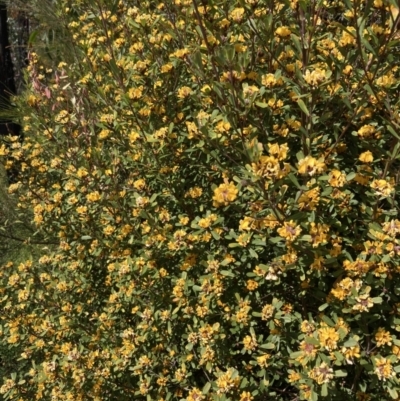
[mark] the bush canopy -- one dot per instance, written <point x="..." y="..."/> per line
<point x="221" y="179"/>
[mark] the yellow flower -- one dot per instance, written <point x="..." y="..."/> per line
<point x="237" y="14"/>
<point x="267" y="166"/>
<point x="294" y="377"/>
<point x="135" y="93"/>
<point x="383" y="337"/>
<point x="382" y="188"/>
<point x="251" y="285"/>
<point x="308" y="352"/>
<point x="305" y="392"/>
<point x="195" y="395"/>
<point x="318" y="233"/>
<point x="328" y="338"/>
<point x="139" y="184"/>
<point x="311" y="166"/>
<point x="279" y="151"/>
<point x="184" y="92"/>
<point x="226" y="382"/>
<point x="162" y="381"/>
<point x="290" y="231"/>
<point x="321" y="374"/>
<point x="364" y="303"/>
<point x="166" y="67"/>
<point x="337" y="178"/>
<point x="246" y="396"/>
<point x="194" y="192"/>
<point x="351" y="353"/>
<point x="366" y="131"/>
<point x="267" y="311"/>
<point x="391" y="227"/>
<point x="366" y="157"/>
<point x="249" y="343"/>
<point x="283" y="31"/>
<point x="184" y="220"/>
<point x="269" y="80"/>
<point x="249" y="91"/>
<point x="243" y="239"/>
<point x="347" y="37"/>
<point x="223" y="126"/>
<point x="307" y="327"/>
<point x="93" y="196"/>
<point x="262" y="360"/>
<point x="62" y="117"/>
<point x="309" y="200"/>
<point x="225" y="194"/>
<point x="383" y="368"/>
<point x="246" y="224"/>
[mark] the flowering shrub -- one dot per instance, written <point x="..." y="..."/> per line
<point x="223" y="178"/>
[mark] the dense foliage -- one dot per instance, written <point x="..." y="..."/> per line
<point x="223" y="181"/>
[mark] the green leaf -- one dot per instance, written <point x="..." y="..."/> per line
<point x="324" y="390"/>
<point x="244" y="383"/>
<point x="268" y="346"/>
<point x="253" y="253"/>
<point x="293" y="178"/>
<point x="32" y="37"/>
<point x="216" y="236"/>
<point x="350" y="176"/>
<point x="303" y="107"/>
<point x="311" y="340"/>
<point x="314" y="396"/>
<point x="206" y="388"/>
<point x="227" y="273"/>
<point x="393" y="393"/>
<point x="350" y="343"/>
<point x="392" y="131"/>
<point x="328" y="321"/>
<point x="340" y="373"/>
